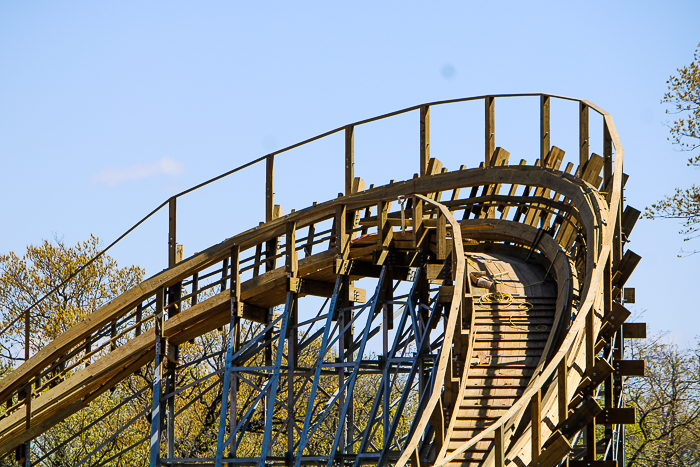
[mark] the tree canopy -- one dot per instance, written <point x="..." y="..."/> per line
<point x="684" y="96"/>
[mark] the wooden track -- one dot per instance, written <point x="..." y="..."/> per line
<point x="493" y="383"/>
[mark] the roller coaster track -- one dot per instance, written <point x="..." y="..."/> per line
<point x="489" y="332"/>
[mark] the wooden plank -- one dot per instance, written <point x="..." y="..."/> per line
<point x="629" y="219"/>
<point x="498" y="159"/>
<point x="552" y="160"/>
<point x="618" y="416"/>
<point x="504" y="208"/>
<point x="489" y="128"/>
<point x="591" y="171"/>
<point x="634" y="330"/>
<point x="630" y="367"/>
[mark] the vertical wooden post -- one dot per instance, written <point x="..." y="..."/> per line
<point x="342" y="239"/>
<point x="591" y="452"/>
<point x="607" y="161"/>
<point x="270" y="252"/>
<point x="536" y="416"/>
<point x="545" y="138"/>
<point x="489" y="129"/>
<point x="562" y="396"/>
<point x="583" y="135"/>
<point x="291" y="264"/>
<point x="498" y="446"/>
<point x="139" y="318"/>
<point x="590" y="342"/>
<point x="269" y="187"/>
<point x="424" y="139"/>
<point x="172" y="231"/>
<point x="349" y="158"/>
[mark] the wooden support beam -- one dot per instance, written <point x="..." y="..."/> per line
<point x="555" y="449"/>
<point x="349" y="158"/>
<point x="613" y="320"/>
<point x="583" y="134"/>
<point x="545" y="136"/>
<point x="489" y="128"/>
<point x="580" y="418"/>
<point x="424" y="139"/>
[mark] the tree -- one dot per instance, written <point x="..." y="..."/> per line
<point x="23" y="281"/>
<point x="667" y="402"/>
<point x="684" y="96"/>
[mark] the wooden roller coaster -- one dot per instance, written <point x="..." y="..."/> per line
<point x="490" y="329"/>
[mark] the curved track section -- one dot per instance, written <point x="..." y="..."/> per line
<point x="385" y="327"/>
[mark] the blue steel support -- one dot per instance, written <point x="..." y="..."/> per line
<point x="356" y="368"/>
<point x="317" y="373"/>
<point x="156" y="405"/>
<point x="404" y="397"/>
<point x="225" y="390"/>
<point x="274" y="383"/>
<point x="384" y="390"/>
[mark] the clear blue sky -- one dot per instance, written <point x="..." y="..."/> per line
<point x="109" y="108"/>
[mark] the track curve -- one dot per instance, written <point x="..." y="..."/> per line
<point x="479" y="341"/>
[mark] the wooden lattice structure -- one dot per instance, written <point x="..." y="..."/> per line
<point x="489" y="329"/>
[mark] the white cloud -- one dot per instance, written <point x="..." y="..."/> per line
<point x="113" y="176"/>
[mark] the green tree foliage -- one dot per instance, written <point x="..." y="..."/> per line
<point x="684" y="96"/>
<point x="667" y="402"/>
<point x="24" y="280"/>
